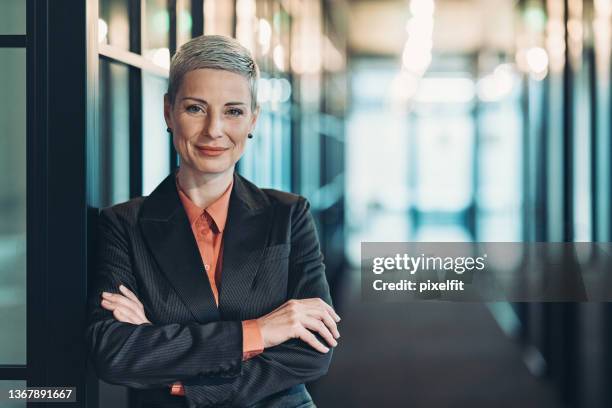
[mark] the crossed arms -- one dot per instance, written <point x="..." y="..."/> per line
<point x="127" y="349"/>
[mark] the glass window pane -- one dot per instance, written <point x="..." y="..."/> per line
<point x="155" y="140"/>
<point x="155" y="32"/>
<point x="582" y="157"/>
<point x="113" y="24"/>
<point x="113" y="152"/>
<point x="603" y="124"/>
<point x="13" y="206"/>
<point x="13" y="17"/>
<point x="5" y="386"/>
<point x="183" y="22"/>
<point x="219" y="17"/>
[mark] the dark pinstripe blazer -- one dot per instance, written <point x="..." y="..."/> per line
<point x="271" y="254"/>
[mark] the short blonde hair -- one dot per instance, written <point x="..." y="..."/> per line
<point x="213" y="52"/>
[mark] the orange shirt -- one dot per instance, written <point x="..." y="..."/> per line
<point x="207" y="226"/>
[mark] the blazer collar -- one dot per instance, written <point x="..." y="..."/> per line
<point x="167" y="231"/>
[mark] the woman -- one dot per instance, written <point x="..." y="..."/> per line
<point x="211" y="291"/>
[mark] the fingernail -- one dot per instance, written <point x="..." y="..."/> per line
<point x="106" y="295"/>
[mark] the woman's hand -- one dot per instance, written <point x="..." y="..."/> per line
<point x="126" y="309"/>
<point x="298" y="319"/>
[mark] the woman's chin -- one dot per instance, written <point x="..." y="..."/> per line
<point x="213" y="168"/>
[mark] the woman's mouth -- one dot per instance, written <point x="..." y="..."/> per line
<point x="211" y="151"/>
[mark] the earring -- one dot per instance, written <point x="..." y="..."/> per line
<point x="250" y="135"/>
<point x="168" y="130"/>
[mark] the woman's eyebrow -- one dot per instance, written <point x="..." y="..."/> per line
<point x="195" y="99"/>
<point x="206" y="103"/>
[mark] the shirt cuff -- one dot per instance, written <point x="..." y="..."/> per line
<point x="177" y="389"/>
<point x="252" y="342"/>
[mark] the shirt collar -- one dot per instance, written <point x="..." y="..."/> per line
<point x="217" y="210"/>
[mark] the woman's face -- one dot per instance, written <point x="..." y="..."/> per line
<point x="210" y="120"/>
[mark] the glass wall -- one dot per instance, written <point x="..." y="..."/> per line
<point x="133" y="151"/>
<point x="114" y="147"/>
<point x="156" y="32"/>
<point x="113" y="24"/>
<point x="13" y="206"/>
<point x="267" y="159"/>
<point x="13" y="17"/>
<point x="155" y="140"/>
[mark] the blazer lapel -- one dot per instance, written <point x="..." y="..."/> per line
<point x="244" y="239"/>
<point x="168" y="233"/>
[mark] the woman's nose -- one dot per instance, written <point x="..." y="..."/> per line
<point x="214" y="126"/>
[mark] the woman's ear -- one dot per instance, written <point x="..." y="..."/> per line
<point x="254" y="119"/>
<point x="168" y="111"/>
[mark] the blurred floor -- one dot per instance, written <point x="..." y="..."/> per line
<point x="426" y="355"/>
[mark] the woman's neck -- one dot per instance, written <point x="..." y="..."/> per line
<point x="203" y="189"/>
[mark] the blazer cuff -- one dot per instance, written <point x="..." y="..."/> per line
<point x="252" y="341"/>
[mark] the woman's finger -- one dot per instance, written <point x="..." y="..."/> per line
<point x="321" y="304"/>
<point x="108" y="305"/>
<point x="125" y="308"/>
<point x="129" y="294"/>
<point x="317" y="325"/>
<point x="310" y="339"/>
<point x="330" y="310"/>
<point x="326" y="318"/>
<point x="122" y="300"/>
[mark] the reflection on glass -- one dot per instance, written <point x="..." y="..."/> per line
<point x="12" y="17"/>
<point x="582" y="157"/>
<point x="13" y="206"/>
<point x="281" y="22"/>
<point x="267" y="159"/>
<point x="114" y="142"/>
<point x="155" y="32"/>
<point x="5" y="386"/>
<point x="155" y="139"/>
<point x="219" y="17"/>
<point x="113" y="24"/>
<point x="602" y="32"/>
<point x="183" y="22"/>
<point x="245" y="23"/>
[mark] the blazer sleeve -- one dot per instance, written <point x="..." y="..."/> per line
<point x="292" y="362"/>
<point x="148" y="355"/>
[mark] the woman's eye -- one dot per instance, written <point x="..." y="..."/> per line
<point x="234" y="112"/>
<point x="194" y="109"/>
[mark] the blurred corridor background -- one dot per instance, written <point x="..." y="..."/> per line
<point x="399" y="120"/>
